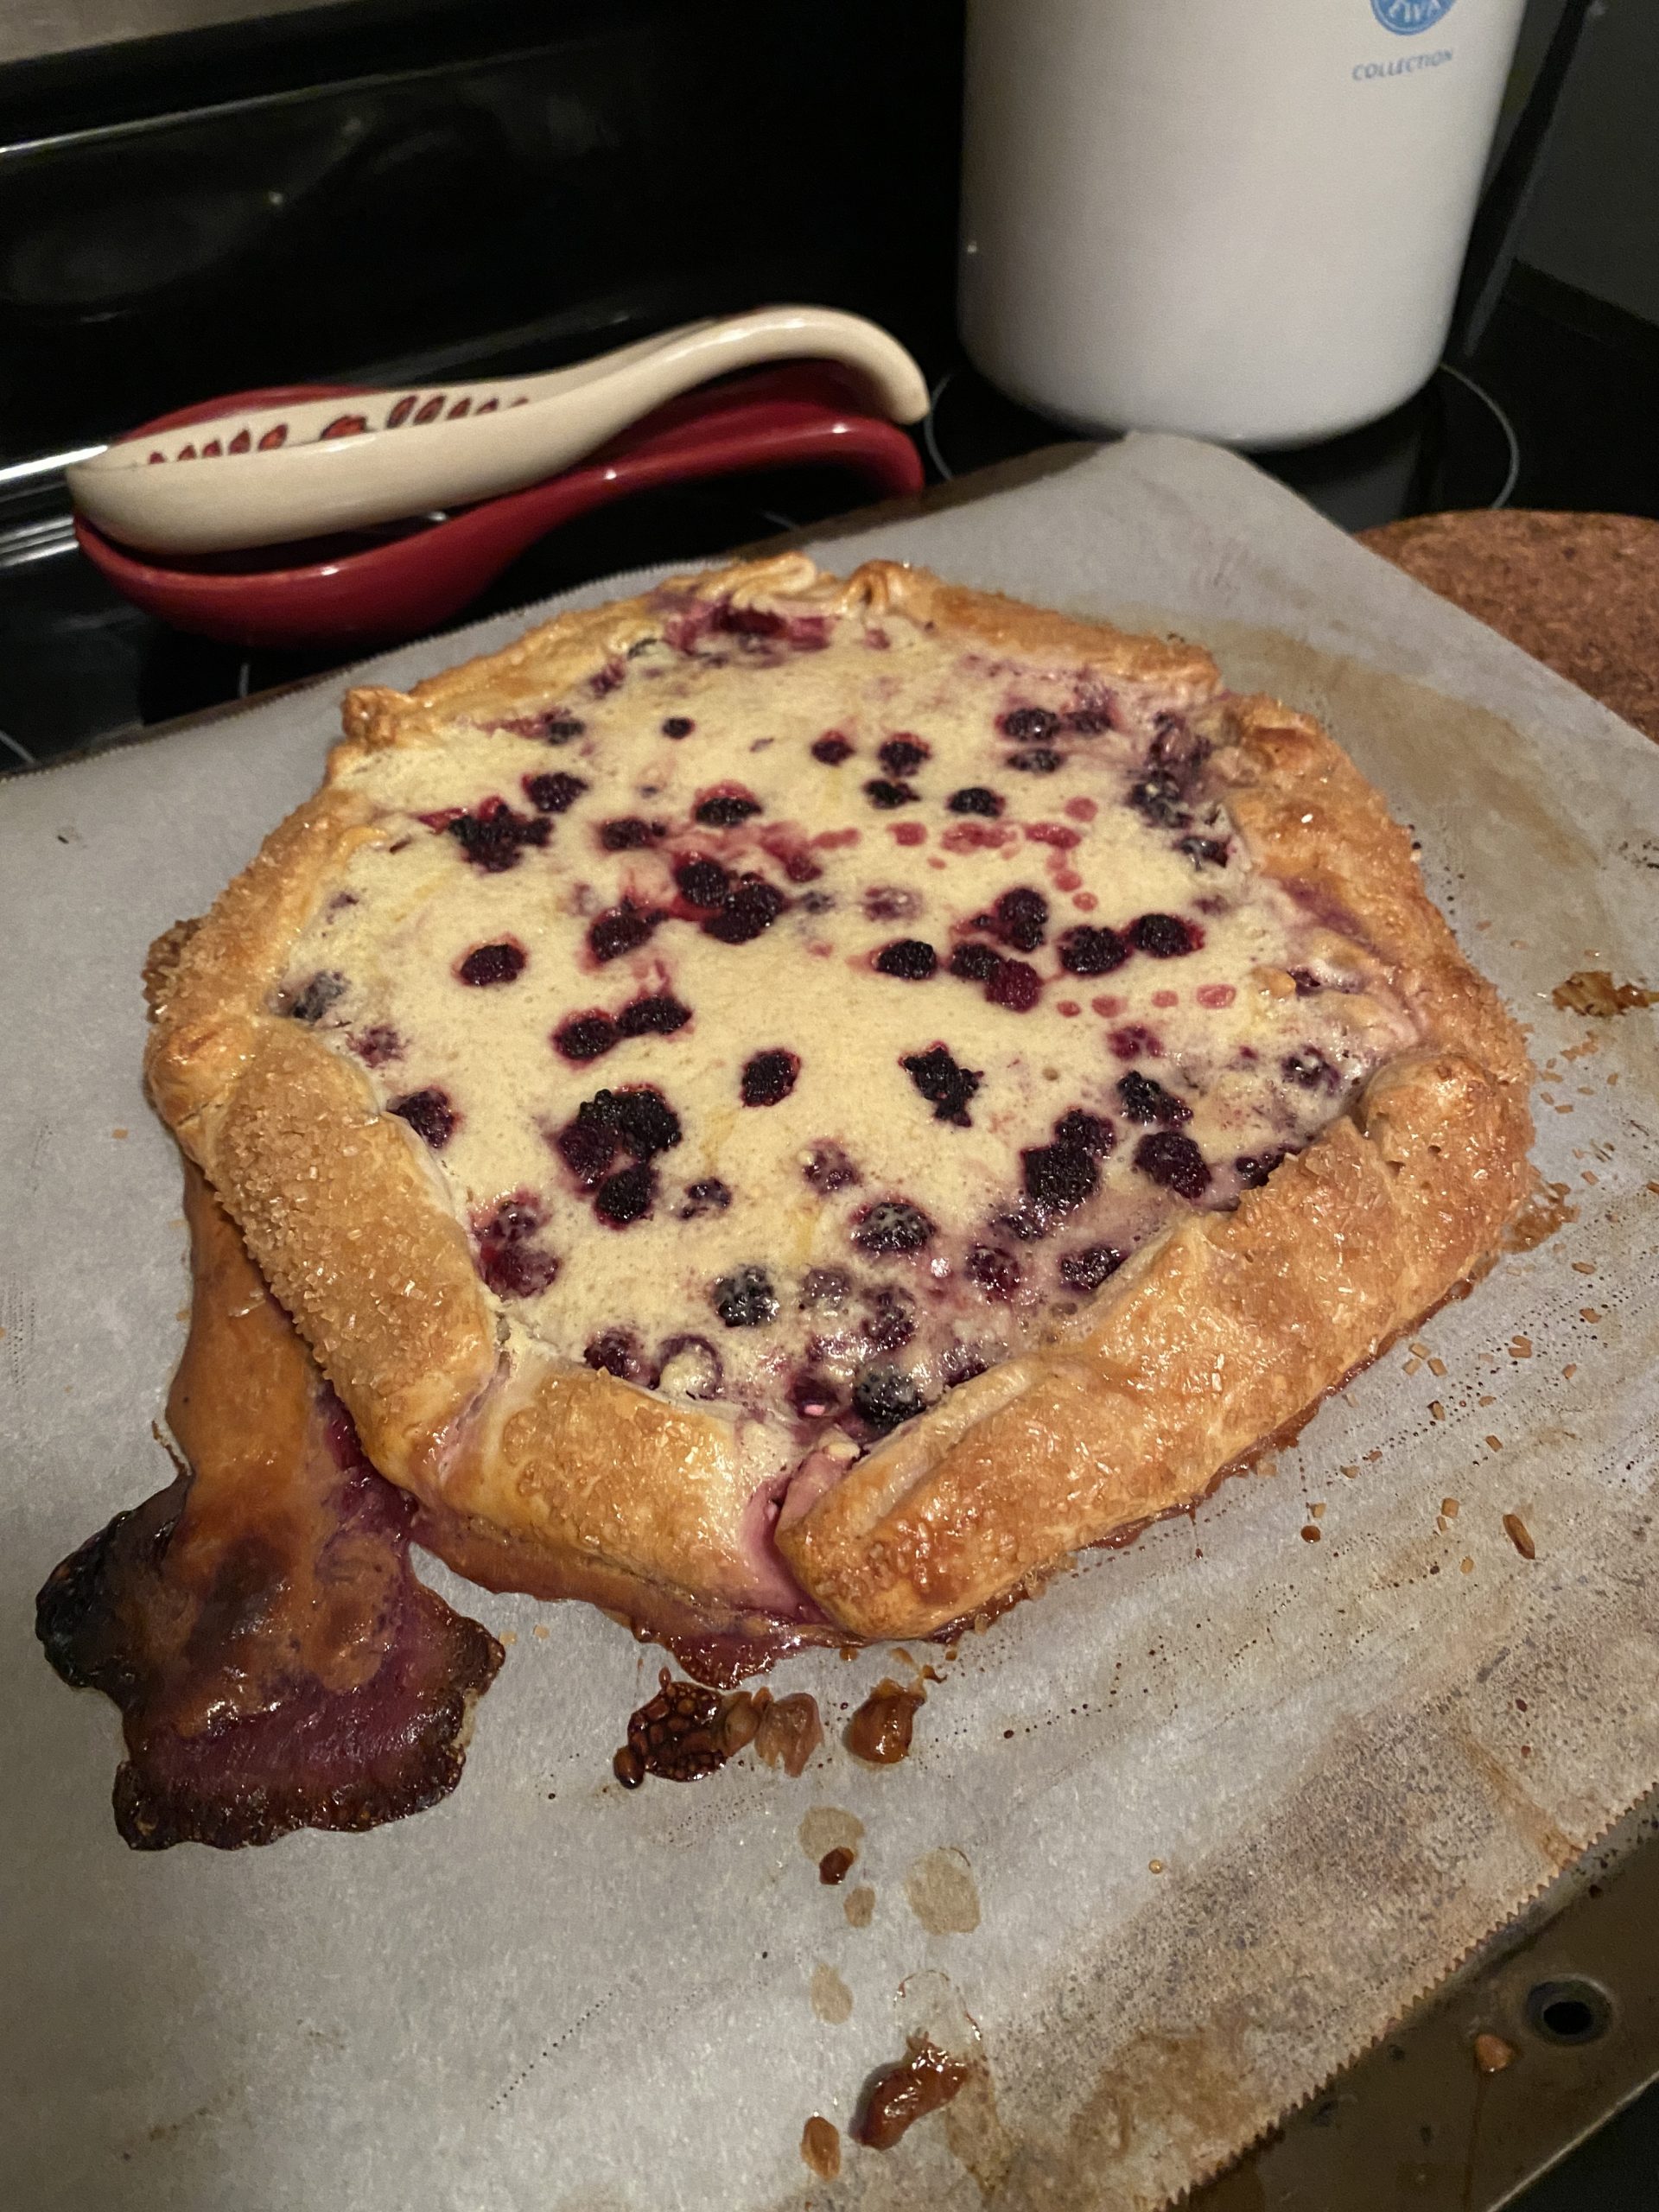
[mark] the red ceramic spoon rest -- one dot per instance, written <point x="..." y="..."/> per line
<point x="408" y="578"/>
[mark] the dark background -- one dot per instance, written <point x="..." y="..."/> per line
<point x="385" y="190"/>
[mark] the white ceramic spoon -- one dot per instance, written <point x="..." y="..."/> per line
<point x="327" y="465"/>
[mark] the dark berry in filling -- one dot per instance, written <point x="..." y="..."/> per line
<point x="1166" y="937"/>
<point x="832" y="749"/>
<point x="975" y="964"/>
<point x="726" y="808"/>
<point x="769" y="1077"/>
<point x="626" y="1197"/>
<point x="1311" y="1070"/>
<point x="745" y="1298"/>
<point x="886" y="794"/>
<point x="892" y="1225"/>
<point x="909" y="958"/>
<point x="494" y="964"/>
<point x="888" y="1323"/>
<point x="639" y="1120"/>
<point x="1037" y="761"/>
<point x="947" y="1087"/>
<point x="617" y="1352"/>
<point x="642" y="1118"/>
<point x="314" y="999"/>
<point x="824" y="1287"/>
<point x="588" y="1146"/>
<point x="1088" y="1268"/>
<point x="1145" y="1100"/>
<point x="1025" y="724"/>
<point x="749" y="906"/>
<point x="904" y="755"/>
<point x="679" y="726"/>
<point x="975" y="798"/>
<point x="886" y="1395"/>
<point x="701" y="883"/>
<point x="1092" y="1133"/>
<point x="993" y="1273"/>
<point x="559" y="729"/>
<point x="1022" y="918"/>
<point x="1059" y="1176"/>
<point x="828" y="1168"/>
<point x="517" y="1270"/>
<point x="492" y="838"/>
<point x="620" y="930"/>
<point x="553" y="792"/>
<point x="430" y="1114"/>
<point x="1088" y="951"/>
<point x="1158" y="798"/>
<point x="375" y="1046"/>
<point x="628" y="833"/>
<point x="1174" y="1162"/>
<point x="1090" y="721"/>
<point x="585" y="1036"/>
<point x="706" y="1197"/>
<point x="509" y="1262"/>
<point x="659" y="1016"/>
<point x="1205" y="852"/>
<point x="1014" y="986"/>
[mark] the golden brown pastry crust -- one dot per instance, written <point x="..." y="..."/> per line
<point x="1212" y="1337"/>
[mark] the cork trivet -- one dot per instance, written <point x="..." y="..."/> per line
<point x="1578" y="592"/>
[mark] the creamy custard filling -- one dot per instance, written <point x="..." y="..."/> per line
<point x="806" y="1011"/>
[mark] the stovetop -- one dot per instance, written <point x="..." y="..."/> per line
<point x="1553" y="412"/>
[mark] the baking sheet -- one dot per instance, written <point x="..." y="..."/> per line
<point x="1220" y="1806"/>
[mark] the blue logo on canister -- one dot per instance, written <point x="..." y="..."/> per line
<point x="1407" y="17"/>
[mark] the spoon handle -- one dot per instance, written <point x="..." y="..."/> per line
<point x="283" y="473"/>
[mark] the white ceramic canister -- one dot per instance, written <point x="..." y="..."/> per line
<point x="1241" y="218"/>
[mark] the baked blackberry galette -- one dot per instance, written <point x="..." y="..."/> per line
<point x="787" y="1106"/>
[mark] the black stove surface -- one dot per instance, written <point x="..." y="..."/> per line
<point x="1553" y="412"/>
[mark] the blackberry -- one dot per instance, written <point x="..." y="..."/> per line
<point x="553" y="793"/>
<point x="976" y="798"/>
<point x="886" y="1395"/>
<point x="1022" y="918"/>
<point x="430" y="1114"/>
<point x="887" y="794"/>
<point x="904" y="755"/>
<point x="494" y="964"/>
<point x="947" y="1086"/>
<point x="726" y="810"/>
<point x="745" y="1298"/>
<point x="1164" y="937"/>
<point x="1145" y="1100"/>
<point x="749" y="906"/>
<point x="1059" y="1176"/>
<point x="892" y="1225"/>
<point x="1174" y="1162"/>
<point x="1088" y="951"/>
<point x="768" y="1077"/>
<point x="909" y="958"/>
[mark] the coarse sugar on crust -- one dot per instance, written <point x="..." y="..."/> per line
<point x="736" y="1464"/>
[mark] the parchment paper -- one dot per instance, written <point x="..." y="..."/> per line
<point x="1350" y="1759"/>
